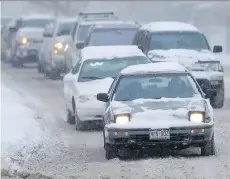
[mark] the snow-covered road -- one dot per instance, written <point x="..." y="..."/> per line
<point x="62" y="151"/>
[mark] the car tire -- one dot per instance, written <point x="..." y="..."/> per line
<point x="208" y="148"/>
<point x="110" y="152"/>
<point x="16" y="63"/>
<point x="218" y="100"/>
<point x="40" y="70"/>
<point x="70" y="117"/>
<point x="54" y="75"/>
<point x="80" y="125"/>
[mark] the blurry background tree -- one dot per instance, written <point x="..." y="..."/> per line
<point x="213" y="18"/>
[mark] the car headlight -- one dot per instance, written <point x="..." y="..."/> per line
<point x="24" y="40"/>
<point x="58" y="45"/>
<point x="197" y="116"/>
<point x="122" y="118"/>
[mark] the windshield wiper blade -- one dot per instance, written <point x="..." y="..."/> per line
<point x="91" y="77"/>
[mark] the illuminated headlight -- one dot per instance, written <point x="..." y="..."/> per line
<point x="215" y="82"/>
<point x="196" y="117"/>
<point x="24" y="40"/>
<point x="122" y="118"/>
<point x="58" y="45"/>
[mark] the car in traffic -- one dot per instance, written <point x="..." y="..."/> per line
<point x="52" y="57"/>
<point x="156" y="105"/>
<point x="94" y="72"/>
<point x="27" y="45"/>
<point x="185" y="42"/>
<point x="119" y="33"/>
<point x="80" y="32"/>
<point x="205" y="67"/>
<point x="27" y="21"/>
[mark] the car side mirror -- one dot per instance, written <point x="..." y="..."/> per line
<point x="210" y="93"/>
<point x="217" y="49"/>
<point x="141" y="48"/>
<point x="103" y="97"/>
<point x="80" y="45"/>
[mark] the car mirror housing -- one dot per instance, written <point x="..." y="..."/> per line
<point x="217" y="49"/>
<point x="103" y="97"/>
<point x="210" y="93"/>
<point x="80" y="45"/>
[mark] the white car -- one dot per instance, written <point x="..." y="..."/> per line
<point x="94" y="73"/>
<point x="157" y="105"/>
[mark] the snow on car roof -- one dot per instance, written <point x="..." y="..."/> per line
<point x="104" y="22"/>
<point x="168" y="26"/>
<point x="160" y="67"/>
<point x="63" y="20"/>
<point x="115" y="25"/>
<point x="38" y="16"/>
<point x="30" y="29"/>
<point x="109" y="52"/>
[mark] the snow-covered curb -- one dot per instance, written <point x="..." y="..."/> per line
<point x="20" y="131"/>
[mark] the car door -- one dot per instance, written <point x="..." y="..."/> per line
<point x="70" y="80"/>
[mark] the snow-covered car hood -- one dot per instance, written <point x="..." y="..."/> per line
<point x="63" y="38"/>
<point x="160" y="113"/>
<point x="190" y="59"/>
<point x="184" y="56"/>
<point x="95" y="86"/>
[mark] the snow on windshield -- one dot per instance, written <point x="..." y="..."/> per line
<point x="155" y="86"/>
<point x="99" y="69"/>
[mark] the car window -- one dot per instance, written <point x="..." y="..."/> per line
<point x="178" y="40"/>
<point x="116" y="36"/>
<point x="65" y="28"/>
<point x="82" y="33"/>
<point x="103" y="68"/>
<point x="35" y="22"/>
<point x="156" y="86"/>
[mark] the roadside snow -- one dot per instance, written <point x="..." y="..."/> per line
<point x="18" y="127"/>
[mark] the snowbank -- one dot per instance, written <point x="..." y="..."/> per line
<point x="19" y="129"/>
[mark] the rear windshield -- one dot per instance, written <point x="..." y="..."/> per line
<point x="116" y="36"/>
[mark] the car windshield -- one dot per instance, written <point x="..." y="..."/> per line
<point x="82" y="32"/>
<point x="36" y="22"/>
<point x="155" y="86"/>
<point x="178" y="40"/>
<point x="65" y="28"/>
<point x="35" y="34"/>
<point x="116" y="36"/>
<point x="99" y="69"/>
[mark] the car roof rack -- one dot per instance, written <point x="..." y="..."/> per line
<point x="97" y="16"/>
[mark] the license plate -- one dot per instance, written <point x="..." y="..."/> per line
<point x="159" y="134"/>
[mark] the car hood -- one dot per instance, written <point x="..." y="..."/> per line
<point x="183" y="56"/>
<point x="94" y="87"/>
<point x="162" y="113"/>
<point x="63" y="38"/>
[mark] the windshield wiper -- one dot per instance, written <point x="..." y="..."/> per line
<point x="91" y="77"/>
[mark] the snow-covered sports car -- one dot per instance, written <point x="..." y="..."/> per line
<point x="159" y="104"/>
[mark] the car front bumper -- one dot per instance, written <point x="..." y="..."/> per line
<point x="27" y="55"/>
<point x="58" y="62"/>
<point x="180" y="137"/>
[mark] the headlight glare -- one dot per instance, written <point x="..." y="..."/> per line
<point x="58" y="45"/>
<point x="196" y="117"/>
<point x="24" y="40"/>
<point x="122" y="119"/>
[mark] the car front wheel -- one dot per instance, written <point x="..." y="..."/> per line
<point x="208" y="148"/>
<point x="110" y="152"/>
